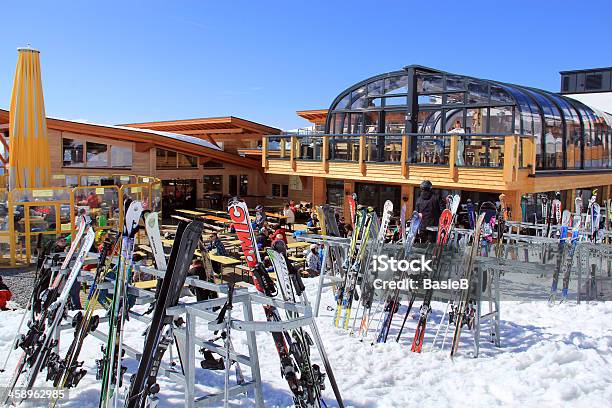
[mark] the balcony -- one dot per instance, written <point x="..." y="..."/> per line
<point x="481" y="161"/>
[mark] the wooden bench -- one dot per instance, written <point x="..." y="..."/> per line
<point x="146" y="284"/>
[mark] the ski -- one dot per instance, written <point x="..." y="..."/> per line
<point x="110" y="370"/>
<point x="461" y="314"/>
<point x="392" y="302"/>
<point x="565" y="221"/>
<point x="444" y="228"/>
<point x="143" y="382"/>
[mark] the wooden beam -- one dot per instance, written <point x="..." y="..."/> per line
<point x="196" y="132"/>
<point x="143" y="147"/>
<point x="404" y="156"/>
<point x="264" y="152"/>
<point x="292" y="152"/>
<point x="325" y="154"/>
<point x="362" y="151"/>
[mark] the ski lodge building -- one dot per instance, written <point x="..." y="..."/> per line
<point x="383" y="136"/>
<point x="197" y="160"/>
<point x="379" y="138"/>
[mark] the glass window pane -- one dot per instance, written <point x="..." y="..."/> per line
<point x="340" y="123"/>
<point x="166" y="159"/>
<point x="476" y="120"/>
<point x="500" y="120"/>
<point x="430" y="121"/>
<point x="371" y="122"/>
<point x="454" y="98"/>
<point x="454" y="83"/>
<point x="213" y="183"/>
<point x="356" y="123"/>
<point x="478" y="92"/>
<point x="344" y="102"/>
<point x="396" y="85"/>
<point x="395" y="122"/>
<point x="72" y="153"/>
<point x="396" y="101"/>
<point x="374" y="102"/>
<point x="427" y="83"/>
<point x="244" y="183"/>
<point x="430" y="99"/>
<point x="454" y="120"/>
<point x="358" y="99"/>
<point x="376" y="87"/>
<point x="97" y="154"/>
<point x="499" y="95"/>
<point x="344" y="148"/>
<point x="186" y="161"/>
<point x="121" y="156"/>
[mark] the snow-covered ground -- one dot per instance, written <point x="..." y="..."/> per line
<point x="550" y="356"/>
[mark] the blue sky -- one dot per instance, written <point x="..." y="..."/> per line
<point x="132" y="61"/>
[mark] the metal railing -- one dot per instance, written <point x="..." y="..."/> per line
<point x="466" y="149"/>
<point x="30" y="214"/>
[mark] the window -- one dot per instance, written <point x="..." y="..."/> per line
<point x="212" y="164"/>
<point x="72" y="155"/>
<point x="213" y="183"/>
<point x="280" y="190"/>
<point x="566" y="83"/>
<point x="121" y="156"/>
<point x="186" y="162"/>
<point x="593" y="82"/>
<point x="244" y="184"/>
<point x="97" y="154"/>
<point x="168" y="159"/>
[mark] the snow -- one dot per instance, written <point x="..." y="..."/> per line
<point x="550" y="356"/>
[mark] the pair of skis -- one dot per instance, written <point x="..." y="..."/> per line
<point x="445" y="225"/>
<point x="39" y="341"/>
<point x="295" y="361"/>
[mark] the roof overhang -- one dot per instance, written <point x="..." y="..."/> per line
<point x="316" y="116"/>
<point x="144" y="140"/>
<point x="215" y="128"/>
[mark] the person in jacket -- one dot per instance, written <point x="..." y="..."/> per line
<point x="288" y="212"/>
<point x="5" y="295"/>
<point x="428" y="205"/>
<point x="313" y="261"/>
<point x="260" y="216"/>
<point x="216" y="244"/>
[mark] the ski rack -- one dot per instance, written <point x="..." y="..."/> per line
<point x="326" y="278"/>
<point x="590" y="285"/>
<point x="190" y="340"/>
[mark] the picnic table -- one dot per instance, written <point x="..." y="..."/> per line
<point x="216" y="212"/>
<point x="191" y="213"/>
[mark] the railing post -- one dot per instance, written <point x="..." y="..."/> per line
<point x="404" y="156"/>
<point x="325" y="153"/>
<point x="264" y="152"/>
<point x="292" y="151"/>
<point x="283" y="148"/>
<point x="362" y="151"/>
<point x="452" y="158"/>
<point x="509" y="158"/>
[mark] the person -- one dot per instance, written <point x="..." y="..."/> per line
<point x="260" y="216"/>
<point x="216" y="244"/>
<point x="5" y="295"/>
<point x="93" y="201"/>
<point x="288" y="212"/>
<point x="428" y="206"/>
<point x="263" y="239"/>
<point x="292" y="207"/>
<point x="280" y="231"/>
<point x="313" y="221"/>
<point x="197" y="269"/>
<point x="313" y="261"/>
<point x="460" y="143"/>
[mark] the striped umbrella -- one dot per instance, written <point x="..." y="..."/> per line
<point x="29" y="161"/>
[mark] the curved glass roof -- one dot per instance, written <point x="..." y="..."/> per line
<point x="568" y="133"/>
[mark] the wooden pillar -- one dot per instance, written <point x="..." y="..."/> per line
<point x="452" y="158"/>
<point x="292" y="146"/>
<point x="362" y="150"/>
<point x="407" y="191"/>
<point x="513" y="203"/>
<point x="510" y="161"/>
<point x="404" y="156"/>
<point x="325" y="154"/>
<point x="283" y="148"/>
<point x="264" y="152"/>
<point x="349" y="189"/>
<point x="319" y="191"/>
